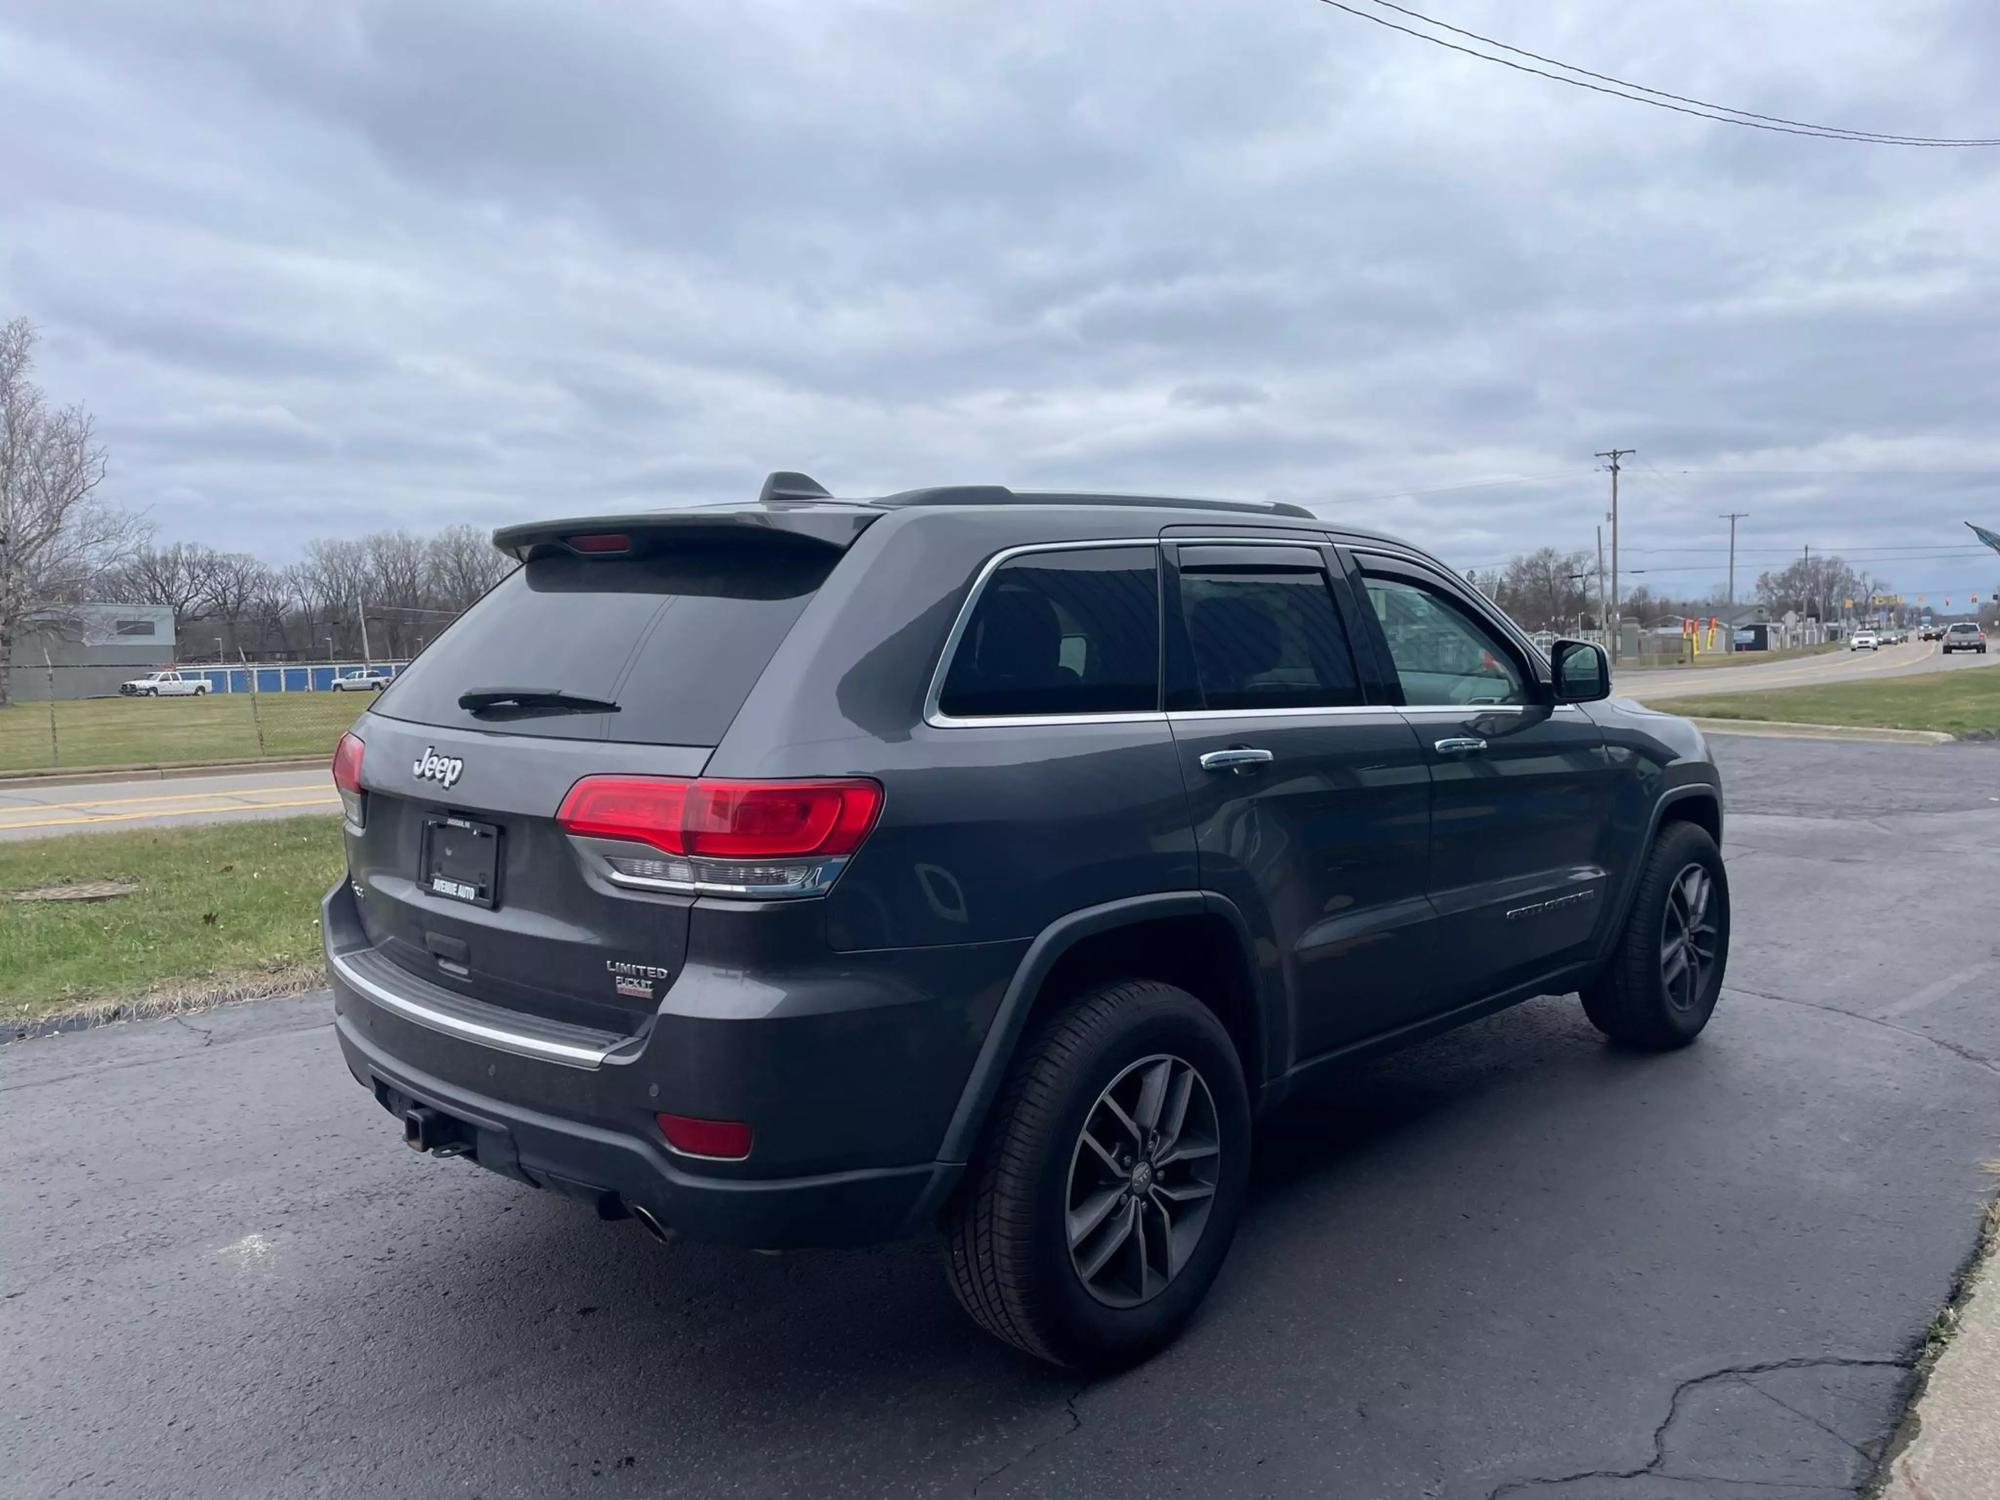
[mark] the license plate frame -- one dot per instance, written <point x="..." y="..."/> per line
<point x="460" y="860"/>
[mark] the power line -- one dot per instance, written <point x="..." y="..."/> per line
<point x="1658" y="99"/>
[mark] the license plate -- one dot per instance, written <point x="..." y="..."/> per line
<point x="461" y="860"/>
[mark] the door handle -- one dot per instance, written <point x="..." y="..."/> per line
<point x="1466" y="745"/>
<point x="1241" y="761"/>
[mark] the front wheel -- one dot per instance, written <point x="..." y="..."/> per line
<point x="1100" y="1206"/>
<point x="1663" y="979"/>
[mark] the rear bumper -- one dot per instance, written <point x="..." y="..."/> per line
<point x="848" y="1077"/>
<point x="615" y="1171"/>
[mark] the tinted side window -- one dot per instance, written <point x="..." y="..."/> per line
<point x="1442" y="654"/>
<point x="1267" y="639"/>
<point x="1061" y="633"/>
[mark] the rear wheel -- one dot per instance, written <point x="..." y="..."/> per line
<point x="1662" y="982"/>
<point x="1106" y="1195"/>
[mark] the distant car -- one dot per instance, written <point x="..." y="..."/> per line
<point x="1862" y="640"/>
<point x="1964" y="636"/>
<point x="164" y="685"/>
<point x="361" y="680"/>
<point x="1931" y="633"/>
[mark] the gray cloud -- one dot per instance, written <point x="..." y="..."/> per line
<point x="365" y="263"/>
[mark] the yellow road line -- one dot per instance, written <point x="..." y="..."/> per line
<point x="165" y="797"/>
<point x="177" y="812"/>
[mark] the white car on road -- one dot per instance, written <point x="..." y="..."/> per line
<point x="1862" y="640"/>
<point x="164" y="685"/>
<point x="360" y="680"/>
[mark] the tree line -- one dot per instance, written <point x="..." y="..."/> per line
<point x="1548" y="589"/>
<point x="61" y="545"/>
<point x="385" y="593"/>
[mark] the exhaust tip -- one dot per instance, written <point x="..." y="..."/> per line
<point x="652" y="1225"/>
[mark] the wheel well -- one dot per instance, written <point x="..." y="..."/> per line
<point x="1703" y="812"/>
<point x="1200" y="954"/>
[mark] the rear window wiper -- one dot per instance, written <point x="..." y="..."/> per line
<point x="533" y="700"/>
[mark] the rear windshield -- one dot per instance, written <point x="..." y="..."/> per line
<point x="676" y="641"/>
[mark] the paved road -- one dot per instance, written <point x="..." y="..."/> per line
<point x="32" y="812"/>
<point x="1506" y="1257"/>
<point x="1911" y="659"/>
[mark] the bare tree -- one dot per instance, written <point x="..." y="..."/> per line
<point x="239" y="590"/>
<point x="180" y="577"/>
<point x="1544" y="589"/>
<point x="55" y="534"/>
<point x="464" y="564"/>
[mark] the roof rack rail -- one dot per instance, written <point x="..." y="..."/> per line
<point x="994" y="494"/>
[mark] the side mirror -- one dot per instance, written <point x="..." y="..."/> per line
<point x="1582" y="672"/>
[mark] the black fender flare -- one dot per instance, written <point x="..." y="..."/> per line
<point x="1621" y="907"/>
<point x="1010" y="1018"/>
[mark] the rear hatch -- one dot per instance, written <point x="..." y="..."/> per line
<point x="465" y="879"/>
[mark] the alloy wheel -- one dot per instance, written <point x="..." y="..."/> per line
<point x="1142" y="1180"/>
<point x="1689" y="937"/>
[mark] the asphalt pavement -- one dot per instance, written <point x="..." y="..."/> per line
<point x="1512" y="1261"/>
<point x="1912" y="658"/>
<point x="34" y="810"/>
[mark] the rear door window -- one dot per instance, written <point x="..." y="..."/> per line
<point x="675" y="640"/>
<point x="1058" y="634"/>
<point x="1263" y="632"/>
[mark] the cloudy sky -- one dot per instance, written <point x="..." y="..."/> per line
<point x="322" y="266"/>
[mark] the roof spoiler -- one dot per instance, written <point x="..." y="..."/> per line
<point x="821" y="528"/>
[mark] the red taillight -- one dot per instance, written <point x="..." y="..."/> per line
<point x="347" y="778"/>
<point x="604" y="541"/>
<point x="728" y="1140"/>
<point x="725" y="819"/>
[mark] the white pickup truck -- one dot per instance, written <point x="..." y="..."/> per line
<point x="361" y="680"/>
<point x="164" y="685"/>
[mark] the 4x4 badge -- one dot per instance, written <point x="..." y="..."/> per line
<point x="431" y="766"/>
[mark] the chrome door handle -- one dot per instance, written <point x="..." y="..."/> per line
<point x="1239" y="761"/>
<point x="1465" y="746"/>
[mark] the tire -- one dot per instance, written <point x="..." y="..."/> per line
<point x="1633" y="1001"/>
<point x="152" y="692"/>
<point x="1012" y="1264"/>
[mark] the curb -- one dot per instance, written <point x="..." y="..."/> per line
<point x="1947" y="1443"/>
<point x="301" y="980"/>
<point x="154" y="773"/>
<point x="1779" y="730"/>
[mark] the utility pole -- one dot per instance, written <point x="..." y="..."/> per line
<point x="1603" y="620"/>
<point x="361" y="609"/>
<point x="1614" y="454"/>
<point x="1732" y="517"/>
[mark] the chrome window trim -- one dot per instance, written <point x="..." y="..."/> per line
<point x="938" y="719"/>
<point x="567" y="1054"/>
<point x="1341" y="710"/>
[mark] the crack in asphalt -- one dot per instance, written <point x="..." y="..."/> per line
<point x="205" y="1033"/>
<point x="1728" y="1372"/>
<point x="1956" y="1049"/>
<point x="1075" y="1425"/>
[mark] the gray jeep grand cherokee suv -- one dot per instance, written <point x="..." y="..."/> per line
<point x="816" y="871"/>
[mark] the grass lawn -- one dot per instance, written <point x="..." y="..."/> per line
<point x="223" y="910"/>
<point x="1955" y="702"/>
<point x="107" y="733"/>
<point x="1723" y="659"/>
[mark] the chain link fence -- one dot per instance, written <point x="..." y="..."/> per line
<point x="61" y="730"/>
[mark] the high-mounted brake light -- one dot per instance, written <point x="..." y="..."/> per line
<point x="602" y="541"/>
<point x="766" y="838"/>
<point x="347" y="779"/>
